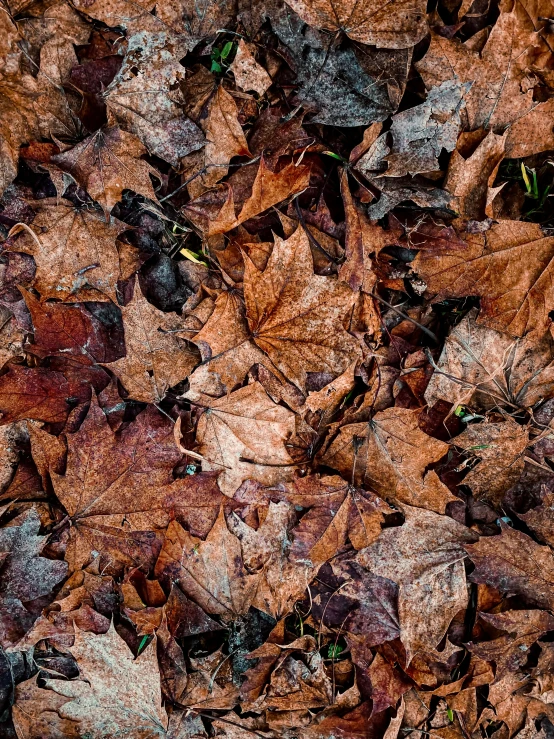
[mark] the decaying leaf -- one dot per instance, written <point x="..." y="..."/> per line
<point x="391" y="455"/>
<point x="243" y="436"/>
<point x="508" y="267"/>
<point x="210" y="572"/>
<point x="155" y="358"/>
<point x="115" y="693"/>
<point x="424" y="557"/>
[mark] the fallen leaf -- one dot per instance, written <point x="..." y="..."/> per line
<point x="500" y="449"/>
<point x="107" y="163"/>
<point x="249" y="75"/>
<point x="75" y="252"/>
<point x="486" y="368"/>
<point x="396" y="28"/>
<point x="243" y="436"/>
<point x="293" y="317"/>
<point x="119" y="492"/>
<point x="116" y="693"/>
<point x="391" y="455"/>
<point x="210" y="572"/>
<point x="513" y="563"/>
<point x="425" y="557"/>
<point x="508" y="267"/>
<point x="155" y="358"/>
<point x="25" y="576"/>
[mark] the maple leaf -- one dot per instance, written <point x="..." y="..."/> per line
<point x="420" y="133"/>
<point x="379" y="25"/>
<point x="485" y="368"/>
<point x="243" y="436"/>
<point x="224" y="137"/>
<point x="75" y="252"/>
<point x="338" y="85"/>
<point x="249" y="75"/>
<point x="424" y="557"/>
<point x="357" y="602"/>
<point x="87" y="335"/>
<point x="25" y="575"/>
<point x="210" y="572"/>
<point x="145" y="95"/>
<point x="267" y="551"/>
<point x="500" y="448"/>
<point x="496" y="98"/>
<point x="540" y="519"/>
<point x="522" y="629"/>
<point x="391" y="455"/>
<point x="155" y="358"/>
<point x="115" y="693"/>
<point x="107" y="163"/>
<point x="509" y="268"/>
<point x="119" y="492"/>
<point x="470" y="178"/>
<point x="269" y="188"/>
<point x="513" y="563"/>
<point x="293" y="317"/>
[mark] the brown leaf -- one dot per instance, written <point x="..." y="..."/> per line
<point x="243" y="436"/>
<point x="249" y="75"/>
<point x="496" y="98"/>
<point x="210" y="572"/>
<point x="75" y="252"/>
<point x="500" y="447"/>
<point x="145" y="95"/>
<point x="267" y="551"/>
<point x="224" y="137"/>
<point x="509" y="268"/>
<point x="541" y="519"/>
<point x="522" y="629"/>
<point x="485" y="368"/>
<point x="155" y="358"/>
<point x="74" y="330"/>
<point x="424" y="557"/>
<point x="382" y="26"/>
<point x="293" y="316"/>
<point x="513" y="563"/>
<point x="391" y="455"/>
<point x="116" y="693"/>
<point x="119" y="491"/>
<point x="107" y="163"/>
<point x="268" y="189"/>
<point x="470" y="178"/>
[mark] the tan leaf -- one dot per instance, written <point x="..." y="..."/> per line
<point x="500" y="448"/>
<point x="249" y="75"/>
<point x="115" y="694"/>
<point x="379" y="24"/>
<point x="267" y="551"/>
<point x="390" y="454"/>
<point x="509" y="267"/>
<point x="496" y="98"/>
<point x="224" y="136"/>
<point x="156" y="359"/>
<point x="243" y="436"/>
<point x="293" y="322"/>
<point x="424" y="557"/>
<point x="74" y="250"/>
<point x="107" y="163"/>
<point x="485" y="368"/>
<point x="210" y="572"/>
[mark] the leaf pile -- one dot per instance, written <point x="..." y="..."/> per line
<point x="276" y="369"/>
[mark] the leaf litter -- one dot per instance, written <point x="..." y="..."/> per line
<point x="276" y="383"/>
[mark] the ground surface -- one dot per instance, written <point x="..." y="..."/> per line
<point x="277" y="369"/>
